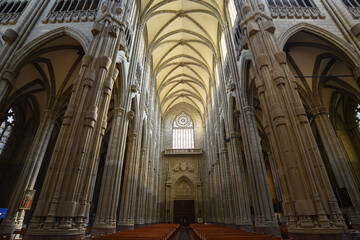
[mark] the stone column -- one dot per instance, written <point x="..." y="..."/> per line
<point x="168" y="198"/>
<point x="14" y="217"/>
<point x="344" y="176"/>
<point x="276" y="182"/>
<point x="149" y="193"/>
<point x="199" y="197"/>
<point x="241" y="197"/>
<point x="156" y="197"/>
<point x="309" y="203"/>
<point x="64" y="201"/>
<point x="265" y="221"/>
<point x="128" y="195"/>
<point x="212" y="196"/>
<point x="274" y="174"/>
<point x="226" y="182"/>
<point x="105" y="221"/>
<point x="144" y="149"/>
<point x="219" y="194"/>
<point x="141" y="199"/>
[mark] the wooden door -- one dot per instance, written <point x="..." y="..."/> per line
<point x="184" y="212"/>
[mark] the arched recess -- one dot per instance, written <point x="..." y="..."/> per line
<point x="183" y="189"/>
<point x="39" y="96"/>
<point x="26" y="51"/>
<point x="328" y="87"/>
<point x="341" y="44"/>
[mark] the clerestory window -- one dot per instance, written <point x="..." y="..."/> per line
<point x="11" y="10"/>
<point x="73" y="10"/>
<point x="290" y="3"/>
<point x="353" y="6"/>
<point x="6" y="129"/>
<point x="352" y="3"/>
<point x="294" y="9"/>
<point x="183" y="132"/>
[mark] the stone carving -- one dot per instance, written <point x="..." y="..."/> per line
<point x="183" y="167"/>
<point x="183" y="189"/>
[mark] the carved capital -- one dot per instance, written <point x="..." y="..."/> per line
<point x="232" y="87"/>
<point x="234" y="134"/>
<point x="318" y="111"/>
<point x="133" y="88"/>
<point x="118" y="111"/>
<point x="9" y="77"/>
<point x="105" y="62"/>
<point x="114" y="31"/>
<point x="249" y="110"/>
<point x="130" y="115"/>
<point x="132" y="136"/>
<point x="49" y="114"/>
<point x="236" y="113"/>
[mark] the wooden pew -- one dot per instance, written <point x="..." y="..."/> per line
<point x="214" y="232"/>
<point x="154" y="232"/>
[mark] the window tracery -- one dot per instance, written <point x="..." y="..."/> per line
<point x="183" y="132"/>
<point x="73" y="10"/>
<point x="6" y="129"/>
<point x="11" y="10"/>
<point x="353" y="6"/>
<point x="294" y="8"/>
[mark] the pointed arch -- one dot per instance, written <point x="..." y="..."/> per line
<point x="27" y="50"/>
<point x="187" y="181"/>
<point x="322" y="33"/>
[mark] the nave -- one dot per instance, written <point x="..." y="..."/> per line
<point x="186" y="232"/>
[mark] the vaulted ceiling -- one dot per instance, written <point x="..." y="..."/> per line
<point x="182" y="38"/>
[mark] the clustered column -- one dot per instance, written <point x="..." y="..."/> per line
<point x="29" y="173"/>
<point x="309" y="203"/>
<point x="64" y="202"/>
<point x="105" y="221"/>
<point x="340" y="167"/>
<point x="258" y="182"/>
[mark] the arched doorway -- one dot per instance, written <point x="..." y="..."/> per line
<point x="184" y="204"/>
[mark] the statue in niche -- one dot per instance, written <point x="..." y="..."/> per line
<point x="183" y="167"/>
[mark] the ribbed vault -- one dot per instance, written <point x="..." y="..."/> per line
<point x="182" y="39"/>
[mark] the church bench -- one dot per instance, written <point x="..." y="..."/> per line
<point x="214" y="232"/>
<point x="154" y="232"/>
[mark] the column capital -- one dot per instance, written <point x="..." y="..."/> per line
<point x="9" y="77"/>
<point x="49" y="113"/>
<point x="236" y="113"/>
<point x="140" y="27"/>
<point x="132" y="136"/>
<point x="318" y="111"/>
<point x="147" y="60"/>
<point x="118" y="111"/>
<point x="234" y="134"/>
<point x="249" y="110"/>
<point x="130" y="115"/>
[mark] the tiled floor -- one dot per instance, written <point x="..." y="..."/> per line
<point x="185" y="233"/>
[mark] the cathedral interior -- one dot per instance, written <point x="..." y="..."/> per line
<point x="118" y="114"/>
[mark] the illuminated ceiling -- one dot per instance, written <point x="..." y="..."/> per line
<point x="182" y="38"/>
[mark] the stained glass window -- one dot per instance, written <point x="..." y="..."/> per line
<point x="5" y="129"/>
<point x="183" y="132"/>
<point x="358" y="115"/>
